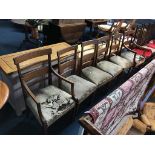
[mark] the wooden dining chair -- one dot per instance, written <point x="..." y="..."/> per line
<point x="68" y="68"/>
<point x="130" y="50"/>
<point x="112" y="28"/>
<point x="47" y="102"/>
<point x="4" y="94"/>
<point x="88" y="67"/>
<point x="114" y="52"/>
<point x="102" y="59"/>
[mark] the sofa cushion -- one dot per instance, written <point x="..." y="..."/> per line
<point x="110" y="67"/>
<point x="96" y="75"/>
<point x="124" y="63"/>
<point x="82" y="87"/>
<point x="54" y="103"/>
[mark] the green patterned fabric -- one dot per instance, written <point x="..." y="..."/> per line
<point x="110" y="67"/>
<point x="124" y="63"/>
<point x="96" y="75"/>
<point x="130" y="56"/>
<point x="82" y="87"/>
<point x="54" y="103"/>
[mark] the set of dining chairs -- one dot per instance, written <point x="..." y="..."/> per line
<point x="82" y="70"/>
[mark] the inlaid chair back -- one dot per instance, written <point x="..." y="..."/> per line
<point x="102" y="48"/>
<point x="88" y="54"/>
<point x="35" y="72"/>
<point x="129" y="37"/>
<point x="67" y="61"/>
<point x="146" y="33"/>
<point x="115" y="44"/>
<point x="117" y="27"/>
<point x="131" y="24"/>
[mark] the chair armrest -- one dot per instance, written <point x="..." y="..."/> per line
<point x="27" y="89"/>
<point x="30" y="93"/>
<point x="64" y="79"/>
<point x="134" y="59"/>
<point x="140" y="47"/>
<point x="129" y="49"/>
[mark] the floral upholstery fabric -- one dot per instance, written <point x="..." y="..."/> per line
<point x="54" y="103"/>
<point x="108" y="113"/>
<point x="82" y="87"/>
<point x="110" y="67"/>
<point x="96" y="75"/>
<point x="124" y="63"/>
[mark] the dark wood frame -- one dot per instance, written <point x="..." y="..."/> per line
<point x="88" y="59"/>
<point x="25" y="77"/>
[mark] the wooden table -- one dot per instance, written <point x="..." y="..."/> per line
<point x="8" y="73"/>
<point x="4" y="93"/>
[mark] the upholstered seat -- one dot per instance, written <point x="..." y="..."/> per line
<point x="104" y="27"/>
<point x="82" y="87"/>
<point x="130" y="56"/>
<point x="54" y="103"/>
<point x="110" y="67"/>
<point x="124" y="63"/>
<point x="96" y="75"/>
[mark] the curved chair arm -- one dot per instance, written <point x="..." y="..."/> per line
<point x="140" y="47"/>
<point x="64" y="79"/>
<point x="134" y="59"/>
<point x="30" y="93"/>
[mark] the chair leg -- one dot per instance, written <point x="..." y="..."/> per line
<point x="45" y="128"/>
<point x="92" y="98"/>
<point x="74" y="113"/>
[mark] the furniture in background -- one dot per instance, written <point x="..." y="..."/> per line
<point x="112" y="112"/>
<point x="93" y="24"/>
<point x="10" y="76"/>
<point x="4" y="93"/>
<point x="68" y="30"/>
<point x="112" y="27"/>
<point x="48" y="103"/>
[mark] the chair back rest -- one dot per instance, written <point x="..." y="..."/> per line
<point x="116" y="26"/>
<point x="131" y="24"/>
<point x="115" y="44"/>
<point x="129" y="37"/>
<point x="88" y="54"/>
<point x="106" y="116"/>
<point x="67" y="61"/>
<point x="29" y="75"/>
<point x="102" y="48"/>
